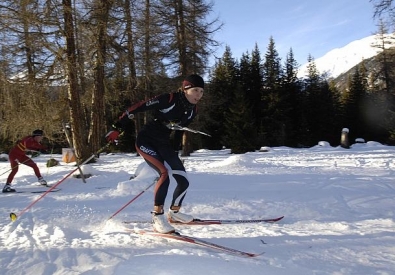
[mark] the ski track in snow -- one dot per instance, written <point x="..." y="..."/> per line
<point x="338" y="206"/>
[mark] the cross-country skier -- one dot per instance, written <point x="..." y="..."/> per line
<point x="154" y="145"/>
<point x="18" y="156"/>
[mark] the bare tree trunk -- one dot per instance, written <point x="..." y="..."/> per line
<point x="181" y="38"/>
<point x="132" y="83"/>
<point x="28" y="47"/>
<point x="76" y="113"/>
<point x="147" y="57"/>
<point x="97" y="112"/>
<point x="183" y="61"/>
<point x="80" y="56"/>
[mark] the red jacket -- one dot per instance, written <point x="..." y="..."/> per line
<point x="27" y="143"/>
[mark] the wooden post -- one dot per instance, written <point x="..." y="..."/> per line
<point x="69" y="140"/>
<point x="344" y="140"/>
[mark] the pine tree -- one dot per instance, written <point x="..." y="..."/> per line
<point x="355" y="105"/>
<point x="337" y="116"/>
<point x="240" y="131"/>
<point x="223" y="84"/>
<point x="251" y="82"/>
<point x="291" y="101"/>
<point x="318" y="106"/>
<point x="272" y="125"/>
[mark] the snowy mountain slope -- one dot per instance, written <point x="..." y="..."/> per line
<point x="340" y="60"/>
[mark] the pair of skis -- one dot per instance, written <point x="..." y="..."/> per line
<point x="34" y="190"/>
<point x="200" y="242"/>
<point x="211" y="222"/>
<point x="37" y="191"/>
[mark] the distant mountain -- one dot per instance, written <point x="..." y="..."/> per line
<point x="340" y="60"/>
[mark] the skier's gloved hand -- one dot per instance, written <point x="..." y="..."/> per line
<point x="129" y="115"/>
<point x="174" y="125"/>
<point x="112" y="136"/>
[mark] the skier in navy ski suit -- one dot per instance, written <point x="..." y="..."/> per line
<point x="154" y="145"/>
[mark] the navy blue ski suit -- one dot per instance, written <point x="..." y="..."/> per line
<point x="154" y="145"/>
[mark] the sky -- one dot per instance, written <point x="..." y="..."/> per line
<point x="307" y="26"/>
<point x="338" y="206"/>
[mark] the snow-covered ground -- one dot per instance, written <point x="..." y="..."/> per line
<point x="338" y="206"/>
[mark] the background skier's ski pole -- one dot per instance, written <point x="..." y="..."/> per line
<point x="13" y="216"/>
<point x="14" y="167"/>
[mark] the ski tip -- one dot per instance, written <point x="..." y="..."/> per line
<point x="254" y="255"/>
<point x="138" y="231"/>
<point x="152" y="232"/>
<point x="44" y="191"/>
<point x="275" y="220"/>
<point x="13" y="217"/>
<point x="173" y="232"/>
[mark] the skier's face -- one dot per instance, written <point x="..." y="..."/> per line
<point x="38" y="138"/>
<point x="194" y="94"/>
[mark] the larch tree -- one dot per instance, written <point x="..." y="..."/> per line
<point x="100" y="18"/>
<point x="74" y="89"/>
<point x="28" y="61"/>
<point x="192" y="37"/>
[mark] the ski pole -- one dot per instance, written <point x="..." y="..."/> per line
<point x="174" y="126"/>
<point x="13" y="216"/>
<point x="14" y="167"/>
<point x="132" y="200"/>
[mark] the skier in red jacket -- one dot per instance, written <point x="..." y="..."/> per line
<point x="18" y="156"/>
